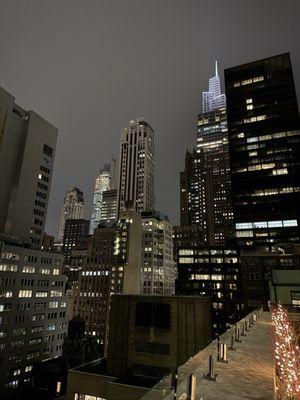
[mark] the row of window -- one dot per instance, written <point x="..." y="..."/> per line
<point x="267" y="224"/>
<point x="28" y="293"/>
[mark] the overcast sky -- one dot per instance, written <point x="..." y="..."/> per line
<point x="90" y="66"/>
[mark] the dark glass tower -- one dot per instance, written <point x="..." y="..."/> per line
<point x="264" y="146"/>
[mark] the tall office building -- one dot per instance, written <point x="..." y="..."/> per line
<point x="103" y="182"/>
<point x="264" y="144"/>
<point x="75" y="230"/>
<point x="27" y="148"/>
<point x="136" y="170"/>
<point x="113" y="265"/>
<point x="108" y="214"/>
<point x="205" y="197"/>
<point x="32" y="288"/>
<point x="73" y="208"/>
<point x="158" y="267"/>
<point x="212" y="122"/>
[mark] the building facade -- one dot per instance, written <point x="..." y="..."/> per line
<point x="32" y="288"/>
<point x="258" y="268"/>
<point x="264" y="144"/>
<point x="109" y="207"/>
<point x="158" y="267"/>
<point x="112" y="265"/>
<point x="215" y="272"/>
<point x="103" y="182"/>
<point x="75" y="229"/>
<point x="73" y="208"/>
<point x="33" y="305"/>
<point x="150" y="338"/>
<point x="136" y="170"/>
<point x="27" y="148"/>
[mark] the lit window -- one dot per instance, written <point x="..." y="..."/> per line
<point x="291" y="222"/>
<point x="25" y="293"/>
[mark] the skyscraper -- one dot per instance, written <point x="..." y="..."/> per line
<point x="205" y="197"/>
<point x="32" y="288"/>
<point x="264" y="143"/>
<point x="103" y="182"/>
<point x="73" y="208"/>
<point x="137" y="163"/>
<point x="27" y="148"/>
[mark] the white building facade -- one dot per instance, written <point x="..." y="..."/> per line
<point x="158" y="267"/>
<point x="73" y="208"/>
<point x="103" y="183"/>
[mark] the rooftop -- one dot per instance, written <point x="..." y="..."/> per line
<point x="248" y="374"/>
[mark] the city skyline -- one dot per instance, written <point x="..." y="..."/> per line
<point x="167" y="92"/>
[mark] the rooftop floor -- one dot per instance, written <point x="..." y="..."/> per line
<point x="249" y="373"/>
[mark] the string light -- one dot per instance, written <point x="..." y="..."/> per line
<point x="287" y="356"/>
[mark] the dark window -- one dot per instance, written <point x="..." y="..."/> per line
<point x="164" y="349"/>
<point x="143" y="315"/>
<point x="152" y="314"/>
<point x="151" y="371"/>
<point x="47" y="150"/>
<point x="161" y="315"/>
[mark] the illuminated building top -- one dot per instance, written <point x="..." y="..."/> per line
<point x="213" y="99"/>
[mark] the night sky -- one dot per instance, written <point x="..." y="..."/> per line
<point x="88" y="67"/>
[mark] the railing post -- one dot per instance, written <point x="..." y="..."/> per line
<point x="193" y="387"/>
<point x="211" y="376"/>
<point x="223" y="353"/>
<point x="232" y="344"/>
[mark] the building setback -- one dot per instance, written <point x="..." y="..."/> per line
<point x="73" y="208"/>
<point x="264" y="144"/>
<point x="137" y="163"/>
<point x="27" y="148"/>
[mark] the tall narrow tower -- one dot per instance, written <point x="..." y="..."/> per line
<point x="205" y="183"/>
<point x="102" y="183"/>
<point x="73" y="208"/>
<point x="137" y="162"/>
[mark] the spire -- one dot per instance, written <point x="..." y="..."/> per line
<point x="216" y="68"/>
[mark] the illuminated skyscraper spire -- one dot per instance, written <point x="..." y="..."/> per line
<point x="213" y="99"/>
